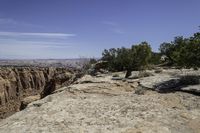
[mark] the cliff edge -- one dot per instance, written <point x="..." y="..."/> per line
<point x="102" y="105"/>
<point x="18" y="83"/>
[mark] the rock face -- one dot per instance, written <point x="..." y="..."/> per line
<point x="101" y="105"/>
<point x="20" y="82"/>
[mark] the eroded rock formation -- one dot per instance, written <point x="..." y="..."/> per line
<point x="17" y="83"/>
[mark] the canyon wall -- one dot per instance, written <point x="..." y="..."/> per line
<point x="17" y="83"/>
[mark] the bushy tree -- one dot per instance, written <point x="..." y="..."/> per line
<point x="110" y="56"/>
<point x="167" y="50"/>
<point x="155" y="58"/>
<point x="134" y="58"/>
<point x="92" y="61"/>
<point x="141" y="55"/>
<point x="183" y="52"/>
<point x="190" y="54"/>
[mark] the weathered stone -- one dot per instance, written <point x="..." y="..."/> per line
<point x="192" y="88"/>
<point x="107" y="106"/>
<point x="28" y="100"/>
<point x="16" y="83"/>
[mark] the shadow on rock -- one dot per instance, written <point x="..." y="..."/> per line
<point x="189" y="84"/>
<point x="168" y="86"/>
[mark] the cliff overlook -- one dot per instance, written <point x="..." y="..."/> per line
<point x="21" y="84"/>
<point x="105" y="104"/>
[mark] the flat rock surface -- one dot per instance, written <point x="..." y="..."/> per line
<point x="102" y="105"/>
<point x="195" y="88"/>
<point x="169" y="80"/>
<point x="152" y="81"/>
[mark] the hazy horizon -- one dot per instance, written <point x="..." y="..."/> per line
<point x="68" y="29"/>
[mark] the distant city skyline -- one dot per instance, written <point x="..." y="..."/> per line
<point x="59" y="29"/>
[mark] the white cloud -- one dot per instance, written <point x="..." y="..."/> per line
<point x="39" y="34"/>
<point x="33" y="43"/>
<point x="11" y="48"/>
<point x="10" y="21"/>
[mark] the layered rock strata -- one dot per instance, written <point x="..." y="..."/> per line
<point x="18" y="83"/>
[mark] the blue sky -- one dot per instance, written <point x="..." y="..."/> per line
<point x="32" y="29"/>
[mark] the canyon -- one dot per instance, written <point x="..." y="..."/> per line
<point x="22" y="85"/>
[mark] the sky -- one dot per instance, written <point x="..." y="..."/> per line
<point x="59" y="29"/>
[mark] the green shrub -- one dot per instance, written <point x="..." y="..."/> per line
<point x="183" y="52"/>
<point x="128" y="59"/>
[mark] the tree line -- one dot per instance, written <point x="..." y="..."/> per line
<point x="181" y="52"/>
